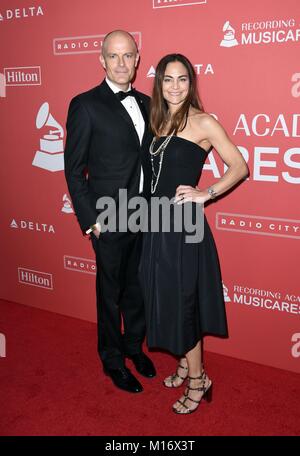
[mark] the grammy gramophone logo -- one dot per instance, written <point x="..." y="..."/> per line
<point x="229" y="39"/>
<point x="225" y="293"/>
<point x="67" y="205"/>
<point x="50" y="156"/>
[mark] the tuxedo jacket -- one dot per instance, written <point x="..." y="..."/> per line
<point x="103" y="152"/>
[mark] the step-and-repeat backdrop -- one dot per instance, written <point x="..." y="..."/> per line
<point x="246" y="56"/>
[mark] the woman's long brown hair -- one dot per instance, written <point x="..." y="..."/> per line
<point x="159" y="107"/>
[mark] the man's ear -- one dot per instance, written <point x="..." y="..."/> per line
<point x="137" y="58"/>
<point x="102" y="61"/>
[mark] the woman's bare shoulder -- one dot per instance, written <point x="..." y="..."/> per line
<point x="202" y="119"/>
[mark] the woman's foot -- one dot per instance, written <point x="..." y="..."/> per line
<point x="198" y="388"/>
<point x="177" y="379"/>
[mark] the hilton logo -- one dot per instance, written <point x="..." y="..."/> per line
<point x="35" y="278"/>
<point x="23" y="76"/>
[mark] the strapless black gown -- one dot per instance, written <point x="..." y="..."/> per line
<point x="181" y="282"/>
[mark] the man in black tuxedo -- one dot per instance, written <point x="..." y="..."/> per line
<point x="106" y="131"/>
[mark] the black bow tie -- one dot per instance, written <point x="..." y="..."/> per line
<point x="122" y="95"/>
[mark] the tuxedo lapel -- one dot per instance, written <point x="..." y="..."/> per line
<point x="111" y="100"/>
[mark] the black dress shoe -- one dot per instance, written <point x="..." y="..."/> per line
<point x="143" y="364"/>
<point x="123" y="379"/>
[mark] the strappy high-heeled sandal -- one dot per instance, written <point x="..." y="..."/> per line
<point x="175" y="376"/>
<point x="205" y="386"/>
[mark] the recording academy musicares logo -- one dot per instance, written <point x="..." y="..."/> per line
<point x="32" y="226"/>
<point x="80" y="264"/>
<point x="169" y="3"/>
<point x="264" y="299"/>
<point x="35" y="278"/>
<point x="200" y="69"/>
<point x="256" y="224"/>
<point x="19" y="77"/>
<point x="260" y="32"/>
<point x="89" y="44"/>
<point x="21" y="13"/>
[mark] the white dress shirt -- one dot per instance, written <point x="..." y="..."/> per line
<point x="132" y="107"/>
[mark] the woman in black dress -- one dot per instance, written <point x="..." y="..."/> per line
<point x="181" y="281"/>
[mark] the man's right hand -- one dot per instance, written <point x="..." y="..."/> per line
<point x="94" y="229"/>
<point x="97" y="233"/>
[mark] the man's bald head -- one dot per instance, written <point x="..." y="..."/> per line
<point x="119" y="57"/>
<point x="116" y="35"/>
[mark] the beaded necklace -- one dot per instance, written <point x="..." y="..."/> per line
<point x="160" y="151"/>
